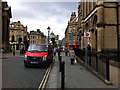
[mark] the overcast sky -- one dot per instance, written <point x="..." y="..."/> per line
<point x="40" y="15"/>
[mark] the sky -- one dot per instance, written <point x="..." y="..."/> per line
<point x="39" y="15"/>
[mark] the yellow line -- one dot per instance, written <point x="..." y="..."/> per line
<point x="43" y="79"/>
<point x="46" y="78"/>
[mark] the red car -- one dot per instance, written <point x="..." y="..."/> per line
<point x="38" y="54"/>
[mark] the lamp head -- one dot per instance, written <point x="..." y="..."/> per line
<point x="48" y="28"/>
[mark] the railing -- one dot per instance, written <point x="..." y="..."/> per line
<point x="96" y="61"/>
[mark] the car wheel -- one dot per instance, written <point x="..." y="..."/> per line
<point x="25" y="65"/>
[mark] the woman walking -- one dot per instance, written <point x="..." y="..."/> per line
<point x="72" y="55"/>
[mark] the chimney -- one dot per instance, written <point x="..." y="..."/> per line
<point x="18" y="21"/>
<point x="38" y="30"/>
<point x="73" y="16"/>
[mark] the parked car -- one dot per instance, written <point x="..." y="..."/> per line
<point x="38" y="55"/>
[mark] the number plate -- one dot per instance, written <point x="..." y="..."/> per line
<point x="34" y="62"/>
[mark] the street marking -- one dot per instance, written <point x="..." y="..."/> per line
<point x="45" y="78"/>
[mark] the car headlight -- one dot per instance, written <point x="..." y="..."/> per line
<point x="44" y="57"/>
<point x="25" y="57"/>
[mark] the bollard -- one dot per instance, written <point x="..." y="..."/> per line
<point x="72" y="61"/>
<point x="60" y="63"/>
<point x="59" y="57"/>
<point x="62" y="75"/>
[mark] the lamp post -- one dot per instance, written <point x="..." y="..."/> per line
<point x="48" y="33"/>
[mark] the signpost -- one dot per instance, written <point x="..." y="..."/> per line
<point x="86" y="35"/>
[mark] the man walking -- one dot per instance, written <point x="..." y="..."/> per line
<point x="66" y="51"/>
<point x="54" y="51"/>
<point x="59" y="51"/>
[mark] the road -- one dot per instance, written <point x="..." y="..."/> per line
<point x="15" y="75"/>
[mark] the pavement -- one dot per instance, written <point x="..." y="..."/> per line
<point x="10" y="54"/>
<point x="76" y="77"/>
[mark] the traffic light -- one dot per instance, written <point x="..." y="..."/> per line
<point x="13" y="38"/>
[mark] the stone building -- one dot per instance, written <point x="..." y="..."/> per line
<point x="72" y="28"/>
<point x="37" y="37"/>
<point x="6" y="15"/>
<point x="52" y="35"/>
<point x="18" y="35"/>
<point x="63" y="42"/>
<point x="102" y="20"/>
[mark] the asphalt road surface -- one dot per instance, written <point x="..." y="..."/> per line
<point x="15" y="75"/>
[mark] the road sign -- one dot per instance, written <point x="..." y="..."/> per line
<point x="87" y="34"/>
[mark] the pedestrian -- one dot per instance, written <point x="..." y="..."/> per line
<point x="23" y="50"/>
<point x="72" y="55"/>
<point x="2" y="50"/>
<point x="55" y="51"/>
<point x="20" y="51"/>
<point x="89" y="49"/>
<point x="59" y="51"/>
<point x="66" y="51"/>
<point x="13" y="51"/>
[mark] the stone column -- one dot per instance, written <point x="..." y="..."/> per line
<point x="100" y="26"/>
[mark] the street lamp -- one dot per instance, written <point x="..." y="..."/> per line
<point x="48" y="33"/>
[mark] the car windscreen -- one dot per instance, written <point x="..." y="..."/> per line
<point x="38" y="48"/>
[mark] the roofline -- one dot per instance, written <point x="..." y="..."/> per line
<point x="38" y="44"/>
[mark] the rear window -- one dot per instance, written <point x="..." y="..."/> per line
<point x="38" y="48"/>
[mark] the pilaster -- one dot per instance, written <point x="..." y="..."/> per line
<point x="100" y="26"/>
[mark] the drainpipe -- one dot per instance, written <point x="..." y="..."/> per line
<point x="118" y="32"/>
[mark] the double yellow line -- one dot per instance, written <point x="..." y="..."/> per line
<point x="45" y="78"/>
